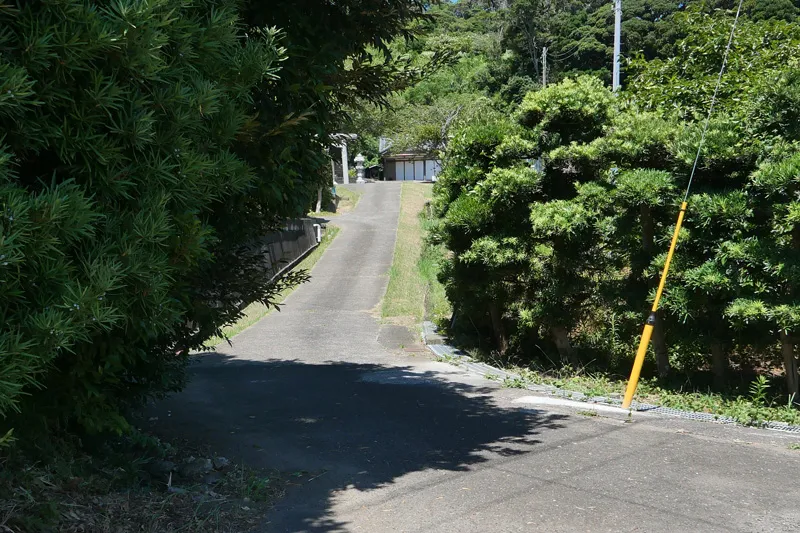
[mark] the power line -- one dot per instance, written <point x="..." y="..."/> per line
<point x="568" y="56"/>
<point x="574" y="47"/>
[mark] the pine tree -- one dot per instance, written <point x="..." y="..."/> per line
<point x="767" y="261"/>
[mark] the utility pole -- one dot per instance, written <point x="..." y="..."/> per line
<point x="544" y="67"/>
<point x="617" y="39"/>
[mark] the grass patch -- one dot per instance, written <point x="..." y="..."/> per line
<point x="256" y="311"/>
<point x="437" y="306"/>
<point x="747" y="410"/>
<point x="753" y="408"/>
<point x="414" y="292"/>
<point x="348" y="200"/>
<point x="405" y="296"/>
<point x="117" y="488"/>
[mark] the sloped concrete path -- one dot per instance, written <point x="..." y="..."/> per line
<point x="400" y="443"/>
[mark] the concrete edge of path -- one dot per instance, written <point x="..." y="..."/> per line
<point x="572" y="404"/>
<point x="573" y="398"/>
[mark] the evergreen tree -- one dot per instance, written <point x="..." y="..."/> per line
<point x="766" y="261"/>
<point x="145" y="145"/>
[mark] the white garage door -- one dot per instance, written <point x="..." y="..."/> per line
<point x="409" y="171"/>
<point x="419" y="170"/>
<point x="399" y="171"/>
<point x="432" y="168"/>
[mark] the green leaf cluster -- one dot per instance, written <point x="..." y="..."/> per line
<point x="559" y="223"/>
<point x="145" y="147"/>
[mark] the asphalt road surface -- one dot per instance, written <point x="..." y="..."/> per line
<point x="397" y="442"/>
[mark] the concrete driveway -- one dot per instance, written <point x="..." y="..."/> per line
<point x="400" y="443"/>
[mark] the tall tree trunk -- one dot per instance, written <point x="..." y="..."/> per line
<point x="648" y="228"/>
<point x="319" y="200"/>
<point x="790" y="366"/>
<point x="787" y="342"/>
<point x="660" y="346"/>
<point x="565" y="350"/>
<point x="497" y="326"/>
<point x="719" y="363"/>
<point x="532" y="45"/>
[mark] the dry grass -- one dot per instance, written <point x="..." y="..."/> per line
<point x="404" y="301"/>
<point x="115" y="494"/>
<point x="256" y="311"/>
<point x="199" y="509"/>
<point x="348" y="200"/>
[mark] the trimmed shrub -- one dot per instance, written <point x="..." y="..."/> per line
<point x="120" y="124"/>
<point x="144" y="146"/>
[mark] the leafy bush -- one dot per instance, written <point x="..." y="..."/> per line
<point x="587" y="242"/>
<point x="574" y="110"/>
<point x="120" y="125"/>
<point x="144" y="147"/>
<point x="763" y="51"/>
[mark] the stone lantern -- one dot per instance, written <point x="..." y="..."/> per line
<point x="359" y="168"/>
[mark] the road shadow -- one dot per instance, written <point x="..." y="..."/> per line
<point x="358" y="426"/>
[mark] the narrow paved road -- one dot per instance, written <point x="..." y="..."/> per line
<point x="400" y="443"/>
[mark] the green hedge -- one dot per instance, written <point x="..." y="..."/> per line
<point x="567" y="258"/>
<point x="119" y="126"/>
<point x="143" y="146"/>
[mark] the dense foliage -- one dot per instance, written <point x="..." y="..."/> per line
<point x="578" y="34"/>
<point x="143" y="146"/>
<point x="558" y="214"/>
<point x="453" y="53"/>
<point x="483" y="56"/>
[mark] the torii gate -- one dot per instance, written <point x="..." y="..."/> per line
<point x="340" y="141"/>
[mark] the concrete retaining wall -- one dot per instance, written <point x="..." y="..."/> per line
<point x="284" y="248"/>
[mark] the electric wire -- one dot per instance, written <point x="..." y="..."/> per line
<point x="571" y="51"/>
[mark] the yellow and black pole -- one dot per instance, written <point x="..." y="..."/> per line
<point x="651" y="320"/>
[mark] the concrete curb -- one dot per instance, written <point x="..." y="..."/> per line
<point x="445" y="351"/>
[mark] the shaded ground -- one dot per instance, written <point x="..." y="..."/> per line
<point x="338" y="422"/>
<point x="393" y="442"/>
